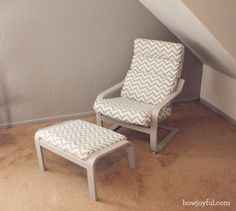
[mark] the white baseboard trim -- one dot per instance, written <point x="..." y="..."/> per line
<point x="181" y="100"/>
<point x="70" y="116"/>
<point x="48" y="119"/>
<point x="218" y="111"/>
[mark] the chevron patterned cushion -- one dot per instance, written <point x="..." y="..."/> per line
<point x="159" y="49"/>
<point x="155" y="70"/>
<point x="130" y="111"/>
<point x="147" y="87"/>
<point x="79" y="138"/>
<point x="161" y="66"/>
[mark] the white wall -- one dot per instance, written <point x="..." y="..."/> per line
<point x="219" y="90"/>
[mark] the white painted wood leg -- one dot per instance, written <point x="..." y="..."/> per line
<point x="130" y="155"/>
<point x="99" y="119"/>
<point x="153" y="141"/>
<point x="168" y="137"/>
<point x="92" y="182"/>
<point x="153" y="132"/>
<point x="157" y="146"/>
<point x="39" y="151"/>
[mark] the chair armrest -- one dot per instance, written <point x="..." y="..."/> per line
<point x="110" y="91"/>
<point x="168" y="99"/>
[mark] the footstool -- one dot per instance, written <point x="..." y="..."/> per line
<point x="82" y="143"/>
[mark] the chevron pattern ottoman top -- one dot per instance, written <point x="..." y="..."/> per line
<point x="78" y="138"/>
<point x="154" y="72"/>
<point x="130" y="111"/>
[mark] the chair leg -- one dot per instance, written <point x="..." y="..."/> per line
<point x="92" y="182"/>
<point x="40" y="155"/>
<point x="153" y="140"/>
<point x="168" y="137"/>
<point x="157" y="146"/>
<point x="99" y="119"/>
<point x="130" y="154"/>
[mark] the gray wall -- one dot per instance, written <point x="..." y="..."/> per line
<point x="57" y="55"/>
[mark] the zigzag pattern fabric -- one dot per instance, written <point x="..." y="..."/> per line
<point x="155" y="70"/>
<point x="130" y="111"/>
<point x="159" y="49"/>
<point x="79" y="138"/>
<point x="156" y="65"/>
<point x="147" y="87"/>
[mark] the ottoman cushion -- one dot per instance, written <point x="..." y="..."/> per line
<point x="78" y="138"/>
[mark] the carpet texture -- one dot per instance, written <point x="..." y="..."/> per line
<point x="199" y="164"/>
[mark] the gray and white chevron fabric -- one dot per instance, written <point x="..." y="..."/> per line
<point x="147" y="87"/>
<point x="129" y="111"/>
<point x="159" y="49"/>
<point x="79" y="138"/>
<point x="155" y="70"/>
<point x="156" y="65"/>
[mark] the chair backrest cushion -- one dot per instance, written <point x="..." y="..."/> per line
<point x="154" y="72"/>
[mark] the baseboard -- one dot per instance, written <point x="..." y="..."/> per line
<point x="48" y="119"/>
<point x="181" y="100"/>
<point x="70" y="116"/>
<point x="218" y="111"/>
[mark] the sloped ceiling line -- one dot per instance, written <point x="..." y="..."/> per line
<point x="190" y="30"/>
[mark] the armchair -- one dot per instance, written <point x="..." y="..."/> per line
<point x="151" y="84"/>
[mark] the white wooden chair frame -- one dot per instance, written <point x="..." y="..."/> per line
<point x="155" y="145"/>
<point x="89" y="164"/>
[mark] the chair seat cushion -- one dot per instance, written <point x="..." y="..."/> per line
<point x="79" y="138"/>
<point x="129" y="111"/>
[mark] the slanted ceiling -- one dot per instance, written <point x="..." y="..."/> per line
<point x="188" y="28"/>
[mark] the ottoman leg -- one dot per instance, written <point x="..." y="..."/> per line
<point x="130" y="154"/>
<point x="39" y="154"/>
<point x="92" y="182"/>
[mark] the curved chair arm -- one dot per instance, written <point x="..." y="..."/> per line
<point x="168" y="99"/>
<point x="110" y="91"/>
